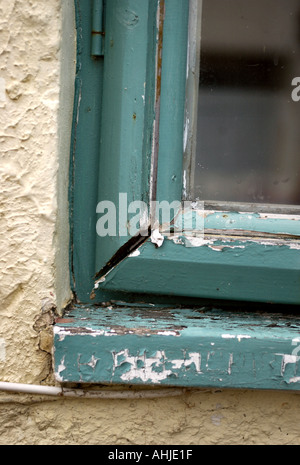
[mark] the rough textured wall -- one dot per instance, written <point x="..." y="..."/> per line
<point x="233" y="417"/>
<point x="29" y="99"/>
<point x="30" y="32"/>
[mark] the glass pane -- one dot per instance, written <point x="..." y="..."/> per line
<point x="248" y="116"/>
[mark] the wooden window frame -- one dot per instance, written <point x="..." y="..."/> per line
<point x="245" y="255"/>
<point x="194" y="298"/>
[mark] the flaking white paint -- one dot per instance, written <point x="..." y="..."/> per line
<point x="144" y="368"/>
<point x="157" y="238"/>
<point x="29" y="46"/>
<point x="288" y="359"/>
<point x="194" y="358"/>
<point x="146" y="371"/>
<point x="238" y="336"/>
<point x="136" y="253"/>
<point x="200" y="240"/>
<point x="230" y="363"/>
<point x="167" y="333"/>
<point x="61" y="367"/>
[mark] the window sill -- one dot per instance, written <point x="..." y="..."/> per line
<point x="152" y="345"/>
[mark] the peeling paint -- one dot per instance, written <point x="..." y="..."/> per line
<point x="229" y="226"/>
<point x="238" y="337"/>
<point x="61" y="367"/>
<point x="187" y="240"/>
<point x="197" y="241"/>
<point x="153" y="368"/>
<point x="295" y="246"/>
<point x="220" y="248"/>
<point x="136" y="253"/>
<point x="160" y="17"/>
<point x="69" y="331"/>
<point x="128" y="18"/>
<point x="157" y="238"/>
<point x="147" y="371"/>
<point x="230" y="363"/>
<point x="243" y="336"/>
<point x="278" y="216"/>
<point x="99" y="281"/>
<point x="287" y="359"/>
<point x="194" y="359"/>
<point x="167" y="333"/>
<point x="190" y="241"/>
<point x="185" y="139"/>
<point x="114" y="330"/>
<point x="93" y="362"/>
<point x="179" y="347"/>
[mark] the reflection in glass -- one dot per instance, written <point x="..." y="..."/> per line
<point x="248" y="134"/>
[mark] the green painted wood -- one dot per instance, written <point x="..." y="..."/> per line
<point x="272" y="224"/>
<point x="153" y="344"/>
<point x="97" y="28"/>
<point x="111" y="151"/>
<point x="127" y="112"/>
<point x="241" y="270"/>
<point x="197" y="347"/>
<point x="84" y="156"/>
<point x="169" y="175"/>
<point x="84" y="161"/>
<point x="89" y="105"/>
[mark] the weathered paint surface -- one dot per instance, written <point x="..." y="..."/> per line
<point x="178" y="347"/>
<point x="265" y="223"/>
<point x="126" y="135"/>
<point x="30" y="72"/>
<point x="236" y="268"/>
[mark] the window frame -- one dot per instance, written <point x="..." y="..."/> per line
<point x="115" y="338"/>
<point x="258" y="251"/>
<point x="232" y="237"/>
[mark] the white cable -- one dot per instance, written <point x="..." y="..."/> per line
<point x="30" y="388"/>
<point x="91" y="394"/>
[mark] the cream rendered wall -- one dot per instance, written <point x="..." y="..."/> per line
<point x="29" y="103"/>
<point x="36" y="76"/>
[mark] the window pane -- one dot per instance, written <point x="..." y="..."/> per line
<point x="248" y="117"/>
